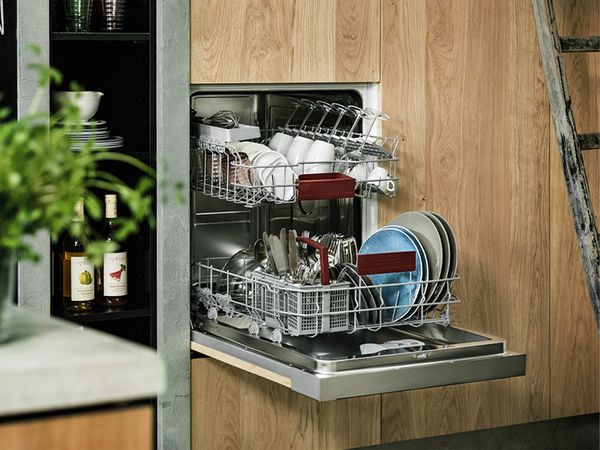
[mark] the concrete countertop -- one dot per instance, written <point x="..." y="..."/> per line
<point x="51" y="364"/>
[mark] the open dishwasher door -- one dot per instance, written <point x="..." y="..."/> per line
<point x="340" y="365"/>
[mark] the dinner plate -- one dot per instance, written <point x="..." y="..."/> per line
<point x="420" y="296"/>
<point x="369" y="294"/>
<point x="395" y="239"/>
<point x="275" y="176"/>
<point x="440" y="287"/>
<point x="429" y="237"/>
<point x="348" y="274"/>
<point x="453" y="251"/>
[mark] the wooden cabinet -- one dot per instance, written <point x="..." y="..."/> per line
<point x="235" y="409"/>
<point x="283" y="41"/>
<point x="125" y="428"/>
<point x="464" y="83"/>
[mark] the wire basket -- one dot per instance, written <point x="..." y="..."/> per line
<point x="297" y="310"/>
<point x="220" y="170"/>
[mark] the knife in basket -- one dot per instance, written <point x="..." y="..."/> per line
<point x="280" y="255"/>
<point x="284" y="244"/>
<point x="293" y="252"/>
<point x="269" y="253"/>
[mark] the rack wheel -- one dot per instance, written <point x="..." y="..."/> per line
<point x="254" y="329"/>
<point x="276" y="336"/>
<point x="213" y="313"/>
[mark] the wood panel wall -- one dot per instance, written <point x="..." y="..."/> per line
<point x="575" y="345"/>
<point x="283" y="41"/>
<point x="464" y="83"/>
<point x="233" y="409"/>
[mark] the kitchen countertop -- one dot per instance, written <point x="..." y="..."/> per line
<point x="51" y="364"/>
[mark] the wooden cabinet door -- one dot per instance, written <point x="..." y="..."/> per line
<point x="234" y="409"/>
<point x="285" y="41"/>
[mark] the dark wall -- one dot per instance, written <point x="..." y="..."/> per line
<point x="8" y="54"/>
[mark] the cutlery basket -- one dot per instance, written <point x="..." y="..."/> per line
<point x="302" y="310"/>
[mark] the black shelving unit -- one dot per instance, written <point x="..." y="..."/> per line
<point x="102" y="314"/>
<point x="121" y="65"/>
<point x="100" y="36"/>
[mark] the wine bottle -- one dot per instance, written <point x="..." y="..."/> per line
<point x="78" y="271"/>
<point x="115" y="268"/>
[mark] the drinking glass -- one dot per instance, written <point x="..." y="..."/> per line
<point x="113" y="15"/>
<point x="77" y="15"/>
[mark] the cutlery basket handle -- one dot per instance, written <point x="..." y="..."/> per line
<point x="386" y="263"/>
<point x="323" y="257"/>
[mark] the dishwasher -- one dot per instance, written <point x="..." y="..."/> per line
<point x="291" y="276"/>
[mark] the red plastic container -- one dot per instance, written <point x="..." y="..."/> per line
<point x="325" y="186"/>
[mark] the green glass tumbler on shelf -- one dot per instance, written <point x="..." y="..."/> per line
<point x="78" y="15"/>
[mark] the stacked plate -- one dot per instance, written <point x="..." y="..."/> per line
<point x="430" y="236"/>
<point x="271" y="169"/>
<point x="95" y="130"/>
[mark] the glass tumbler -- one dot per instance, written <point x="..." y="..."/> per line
<point x="113" y="15"/>
<point x="77" y="15"/>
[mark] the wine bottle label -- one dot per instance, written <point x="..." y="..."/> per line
<point x="82" y="279"/>
<point x="66" y="272"/>
<point x="115" y="274"/>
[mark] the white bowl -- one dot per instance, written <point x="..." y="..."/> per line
<point x="86" y="101"/>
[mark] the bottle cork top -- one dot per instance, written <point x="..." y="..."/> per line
<point x="110" y="201"/>
<point x="79" y="211"/>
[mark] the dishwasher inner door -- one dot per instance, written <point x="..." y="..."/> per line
<point x="341" y="365"/>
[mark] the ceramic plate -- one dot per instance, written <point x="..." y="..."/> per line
<point x="420" y="298"/>
<point x="346" y="274"/>
<point x="453" y="251"/>
<point x="367" y="294"/>
<point x="427" y="233"/>
<point x="395" y="239"/>
<point x="440" y="287"/>
<point x="278" y="178"/>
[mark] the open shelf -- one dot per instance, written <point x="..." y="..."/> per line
<point x="103" y="313"/>
<point x="100" y="36"/>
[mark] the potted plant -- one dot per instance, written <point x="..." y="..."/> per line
<point x="41" y="180"/>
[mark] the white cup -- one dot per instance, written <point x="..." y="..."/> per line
<point x="281" y="142"/>
<point x="378" y="178"/>
<point x="359" y="172"/>
<point x="322" y="154"/>
<point x="297" y="152"/>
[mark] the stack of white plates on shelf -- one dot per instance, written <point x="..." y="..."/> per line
<point x="95" y="130"/>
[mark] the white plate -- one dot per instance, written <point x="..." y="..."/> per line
<point x="441" y="288"/>
<point x="252" y="149"/>
<point x="87" y="123"/>
<point x="428" y="235"/>
<point x="275" y="176"/>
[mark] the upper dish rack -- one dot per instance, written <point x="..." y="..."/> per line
<point x="362" y="164"/>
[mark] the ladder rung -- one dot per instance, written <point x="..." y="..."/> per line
<point x="580" y="44"/>
<point x="590" y="141"/>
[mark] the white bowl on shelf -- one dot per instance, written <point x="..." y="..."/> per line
<point x="86" y="101"/>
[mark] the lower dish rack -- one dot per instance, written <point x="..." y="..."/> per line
<point x="292" y="309"/>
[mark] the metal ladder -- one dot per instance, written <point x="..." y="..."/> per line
<point x="570" y="143"/>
